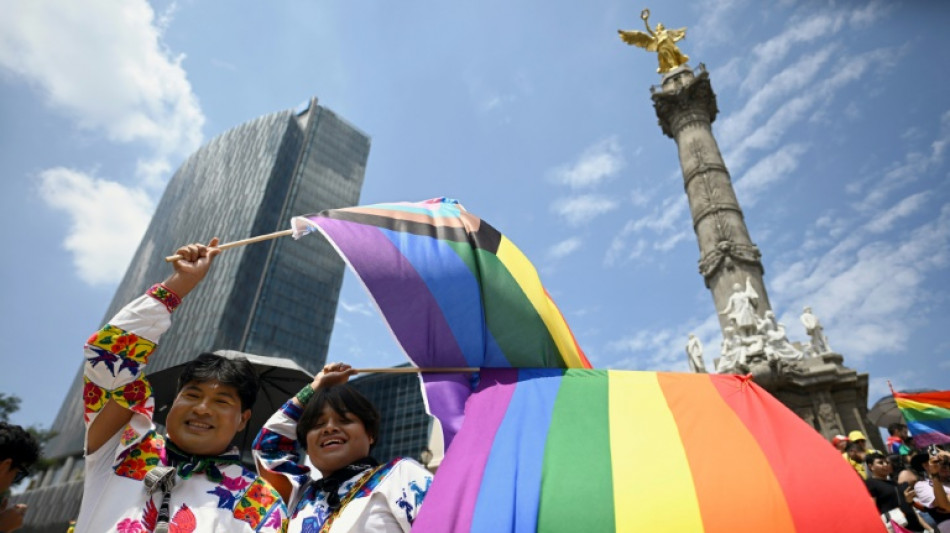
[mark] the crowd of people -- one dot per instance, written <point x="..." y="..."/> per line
<point x="910" y="485"/>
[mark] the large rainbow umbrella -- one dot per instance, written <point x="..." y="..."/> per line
<point x="543" y="442"/>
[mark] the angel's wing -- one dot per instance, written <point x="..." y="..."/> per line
<point x="638" y="38"/>
<point x="677" y="35"/>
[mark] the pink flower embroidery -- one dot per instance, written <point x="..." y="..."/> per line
<point x="130" y="526"/>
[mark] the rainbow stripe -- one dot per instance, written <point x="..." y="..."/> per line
<point x="927" y="415"/>
<point x="600" y="450"/>
<point x="454" y="291"/>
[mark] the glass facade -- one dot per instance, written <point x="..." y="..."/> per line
<point x="276" y="298"/>
<point x="404" y="423"/>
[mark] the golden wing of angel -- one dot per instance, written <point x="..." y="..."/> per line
<point x="638" y="38"/>
<point x="677" y="35"/>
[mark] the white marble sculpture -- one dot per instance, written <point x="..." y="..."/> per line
<point x="776" y="342"/>
<point x="733" y="351"/>
<point x="819" y="343"/>
<point x="694" y="349"/>
<point x="741" y="308"/>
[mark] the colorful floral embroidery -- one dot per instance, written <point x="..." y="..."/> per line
<point x="130" y="526"/>
<point x="93" y="397"/>
<point x="134" y="396"/>
<point x="165" y="295"/>
<point x="184" y="521"/>
<point x="378" y="476"/>
<point x="257" y="503"/>
<point x="126" y="345"/>
<point x="128" y="436"/>
<point x="138" y="460"/>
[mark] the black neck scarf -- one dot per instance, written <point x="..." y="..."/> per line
<point x="210" y="465"/>
<point x="331" y="484"/>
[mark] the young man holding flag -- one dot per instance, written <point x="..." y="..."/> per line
<point x="190" y="480"/>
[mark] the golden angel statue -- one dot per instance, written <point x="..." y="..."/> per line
<point x="660" y="40"/>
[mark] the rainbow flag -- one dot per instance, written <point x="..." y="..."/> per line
<point x="927" y="415"/>
<point x="454" y="291"/>
<point x="600" y="450"/>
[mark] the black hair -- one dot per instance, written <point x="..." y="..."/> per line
<point x="894" y="428"/>
<point x="18" y="445"/>
<point x="344" y="399"/>
<point x="238" y="373"/>
<point x="873" y="456"/>
<point x="852" y="444"/>
<point x="917" y="460"/>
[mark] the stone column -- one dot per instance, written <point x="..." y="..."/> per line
<point x="686" y="107"/>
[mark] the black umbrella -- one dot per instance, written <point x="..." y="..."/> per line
<point x="885" y="411"/>
<point x="280" y="379"/>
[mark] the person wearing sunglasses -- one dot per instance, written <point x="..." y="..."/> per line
<point x="18" y="451"/>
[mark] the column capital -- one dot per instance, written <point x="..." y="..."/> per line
<point x="684" y="98"/>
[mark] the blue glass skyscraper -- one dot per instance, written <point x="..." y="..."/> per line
<point x="276" y="298"/>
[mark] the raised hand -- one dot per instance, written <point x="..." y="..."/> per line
<point x="192" y="267"/>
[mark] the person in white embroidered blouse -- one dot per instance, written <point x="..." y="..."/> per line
<point x="336" y="426"/>
<point x="138" y="480"/>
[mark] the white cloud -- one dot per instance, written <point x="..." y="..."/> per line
<point x="793" y="110"/>
<point x="671" y="241"/>
<point x="665" y="223"/>
<point x="564" y="248"/>
<point x="715" y="16"/>
<point x="581" y="209"/>
<point x="906" y="207"/>
<point x="357" y="308"/>
<point x="599" y="162"/>
<point x="864" y="16"/>
<point x="664" y="349"/>
<point x="106" y="221"/>
<point x="768" y="171"/>
<point x="814" y="27"/>
<point x="870" y="290"/>
<point x="789" y="81"/>
<point x="903" y="173"/>
<point x="104" y="64"/>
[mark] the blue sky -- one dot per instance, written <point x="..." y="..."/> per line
<point x="833" y="122"/>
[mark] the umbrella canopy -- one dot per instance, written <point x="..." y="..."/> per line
<point x="884" y="412"/>
<point x="280" y="379"/>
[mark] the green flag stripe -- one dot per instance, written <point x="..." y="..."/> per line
<point x="577" y="483"/>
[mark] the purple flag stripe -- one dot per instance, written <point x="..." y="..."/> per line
<point x="452" y="510"/>
<point x="407" y="305"/>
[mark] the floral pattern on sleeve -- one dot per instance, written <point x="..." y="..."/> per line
<point x="262" y="508"/>
<point x="276" y="446"/>
<point x="136" y="461"/>
<point x="113" y="371"/>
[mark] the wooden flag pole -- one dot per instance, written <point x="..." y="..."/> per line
<point x="234" y="244"/>
<point x="414" y="369"/>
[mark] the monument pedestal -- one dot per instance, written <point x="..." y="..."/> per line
<point x="829" y="396"/>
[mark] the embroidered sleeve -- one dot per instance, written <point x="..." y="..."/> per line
<point x="407" y="486"/>
<point x="276" y="448"/>
<point x="115" y="357"/>
<point x="262" y="508"/>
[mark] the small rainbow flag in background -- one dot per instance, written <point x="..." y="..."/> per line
<point x="454" y="291"/>
<point x="600" y="450"/>
<point x="927" y="415"/>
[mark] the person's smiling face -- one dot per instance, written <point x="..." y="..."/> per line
<point x="205" y="417"/>
<point x="336" y="440"/>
